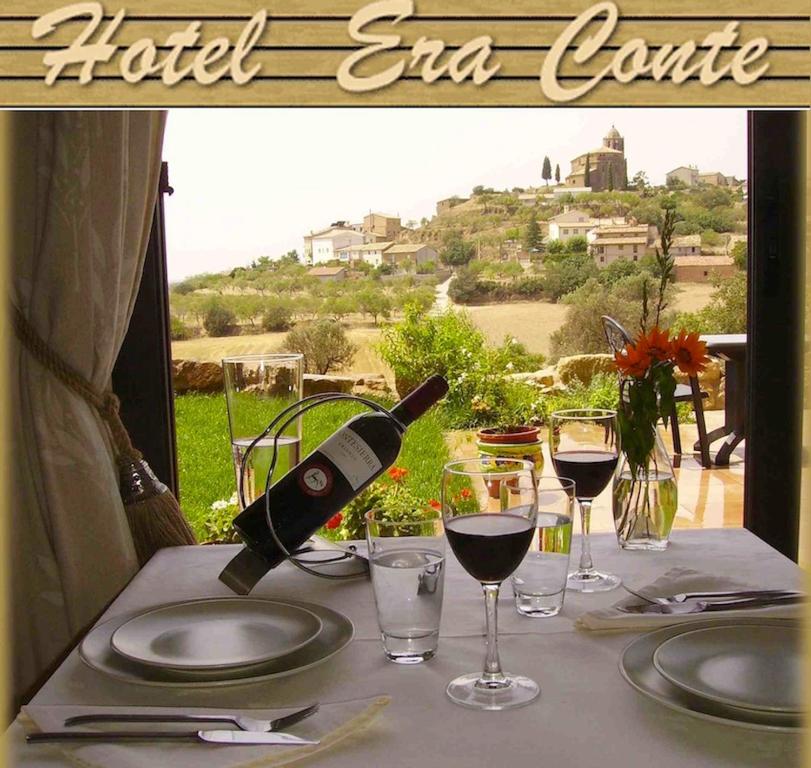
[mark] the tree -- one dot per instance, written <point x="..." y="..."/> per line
<point x="546" y="171"/>
<point x="587" y="172"/>
<point x="611" y="178"/>
<point x="324" y="345"/>
<point x="340" y="306"/>
<point x="374" y="302"/>
<point x="640" y="182"/>
<point x="625" y="175"/>
<point x="219" y="320"/>
<point x="456" y="252"/>
<point x="577" y="244"/>
<point x="557" y="174"/>
<point x="291" y="257"/>
<point x="740" y="254"/>
<point x="278" y="316"/>
<point x="532" y="236"/>
<point x="564" y="276"/>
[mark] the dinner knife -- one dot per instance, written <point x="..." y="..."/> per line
<point x="235" y="738"/>
<point x="677" y="609"/>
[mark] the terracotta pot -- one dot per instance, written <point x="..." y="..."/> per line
<point x="503" y="445"/>
<point x="509" y="435"/>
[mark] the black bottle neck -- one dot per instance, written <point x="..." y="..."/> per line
<point x="418" y="401"/>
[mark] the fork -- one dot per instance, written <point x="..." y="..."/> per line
<point x="684" y="596"/>
<point x="241" y="722"/>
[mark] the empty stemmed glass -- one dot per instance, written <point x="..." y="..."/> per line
<point x="490" y="507"/>
<point x="584" y="444"/>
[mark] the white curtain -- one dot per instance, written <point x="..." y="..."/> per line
<point x="89" y="181"/>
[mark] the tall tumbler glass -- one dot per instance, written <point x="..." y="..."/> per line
<point x="539" y="584"/>
<point x="258" y="388"/>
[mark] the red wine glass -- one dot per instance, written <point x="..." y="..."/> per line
<point x="584" y="444"/>
<point x="490" y="508"/>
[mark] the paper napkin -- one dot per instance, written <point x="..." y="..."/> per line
<point x="673" y="582"/>
<point x="331" y="724"/>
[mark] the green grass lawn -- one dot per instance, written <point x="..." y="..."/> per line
<point x="204" y="450"/>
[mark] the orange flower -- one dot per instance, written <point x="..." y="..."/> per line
<point x="398" y="473"/>
<point x="466" y="493"/>
<point x="334" y="521"/>
<point x="689" y="353"/>
<point x="434" y="504"/>
<point x="633" y="361"/>
<point x="656" y="344"/>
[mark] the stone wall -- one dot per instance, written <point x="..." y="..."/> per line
<point x="197" y="376"/>
<point x="584" y="367"/>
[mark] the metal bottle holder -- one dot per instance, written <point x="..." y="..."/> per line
<point x="298" y="409"/>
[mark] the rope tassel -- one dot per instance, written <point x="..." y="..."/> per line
<point x="154" y="516"/>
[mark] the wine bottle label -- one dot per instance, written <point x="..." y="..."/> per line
<point x="348" y="451"/>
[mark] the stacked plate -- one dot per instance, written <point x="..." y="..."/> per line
<point x="741" y="672"/>
<point x="216" y="641"/>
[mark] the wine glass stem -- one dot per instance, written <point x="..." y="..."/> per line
<point x="492" y="665"/>
<point x="586" y="565"/>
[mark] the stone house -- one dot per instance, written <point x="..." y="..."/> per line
<point x="712" y="178"/>
<point x="369" y="253"/>
<point x="576" y="223"/>
<point x="322" y="247"/>
<point x="629" y="242"/>
<point x="416" y="253"/>
<point x="326" y="274"/>
<point x="703" y="269"/>
<point x="687" y="245"/>
<point x="381" y="225"/>
<point x="686" y="174"/>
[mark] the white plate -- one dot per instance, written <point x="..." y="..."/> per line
<point x="756" y="668"/>
<point x="215" y="633"/>
<point x="336" y="633"/>
<point x="636" y="666"/>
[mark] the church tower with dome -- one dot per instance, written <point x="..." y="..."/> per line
<point x="607" y="165"/>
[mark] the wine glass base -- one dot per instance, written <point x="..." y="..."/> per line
<point x="594" y="581"/>
<point x="517" y="691"/>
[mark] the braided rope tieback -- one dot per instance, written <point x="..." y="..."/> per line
<point x="153" y="513"/>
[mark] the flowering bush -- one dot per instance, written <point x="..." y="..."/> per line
<point x="648" y="366"/>
<point x="480" y="390"/>
<point x="392" y="495"/>
<point x="219" y="522"/>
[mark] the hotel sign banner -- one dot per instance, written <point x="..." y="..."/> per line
<point x="403" y="52"/>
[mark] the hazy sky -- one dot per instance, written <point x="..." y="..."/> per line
<point x="253" y="182"/>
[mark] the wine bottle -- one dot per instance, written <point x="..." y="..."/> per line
<point x="323" y="484"/>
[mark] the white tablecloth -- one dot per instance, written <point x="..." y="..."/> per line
<point x="587" y="715"/>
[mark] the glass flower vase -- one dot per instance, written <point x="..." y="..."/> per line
<point x="644" y="503"/>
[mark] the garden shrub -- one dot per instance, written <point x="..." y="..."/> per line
<point x="480" y="390"/>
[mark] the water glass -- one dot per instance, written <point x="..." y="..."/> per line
<point x="258" y="388"/>
<point x="539" y="584"/>
<point x="407" y="565"/>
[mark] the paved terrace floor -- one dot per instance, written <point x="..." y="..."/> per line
<point x="708" y="498"/>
